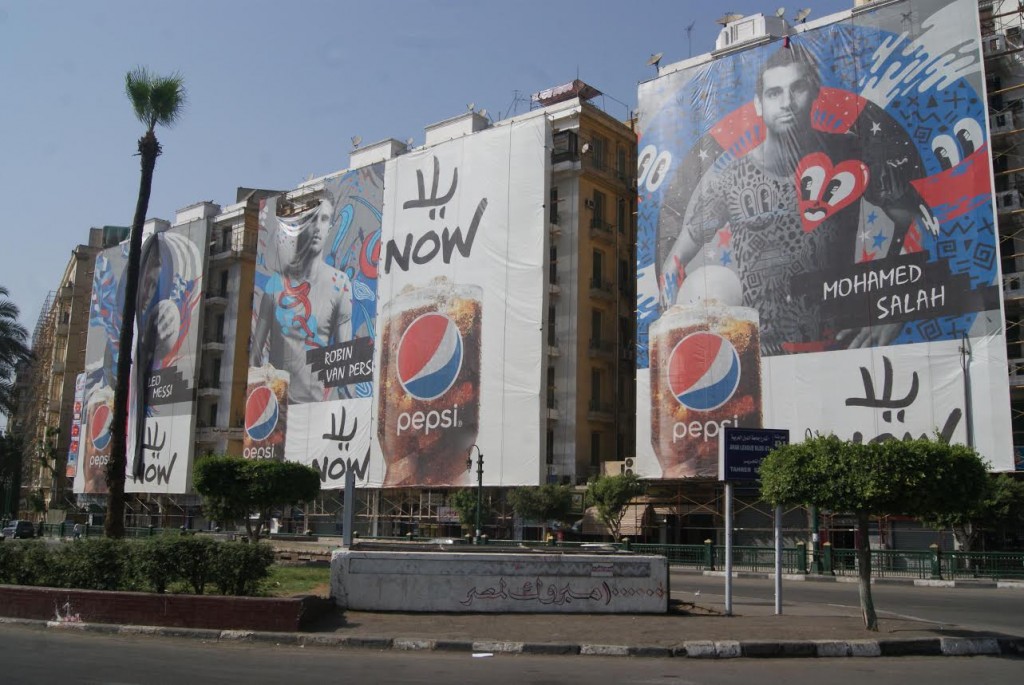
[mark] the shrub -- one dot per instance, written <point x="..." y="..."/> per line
<point x="37" y="565"/>
<point x="10" y="559"/>
<point x="240" y="568"/>
<point x="194" y="560"/>
<point x="157" y="563"/>
<point x="96" y="564"/>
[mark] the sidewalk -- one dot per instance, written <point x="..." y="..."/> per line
<point x="689" y="630"/>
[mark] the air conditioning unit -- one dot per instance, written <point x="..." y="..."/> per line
<point x="994" y="44"/>
<point x="613" y="468"/>
<point x="627" y="465"/>
<point x="1008" y="200"/>
<point x="589" y="204"/>
<point x="1001" y="122"/>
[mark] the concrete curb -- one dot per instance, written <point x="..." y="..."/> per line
<point x="693" y="649"/>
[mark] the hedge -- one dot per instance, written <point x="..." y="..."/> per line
<point x="184" y="563"/>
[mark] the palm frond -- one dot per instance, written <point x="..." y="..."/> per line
<point x="137" y="87"/>
<point x="155" y="99"/>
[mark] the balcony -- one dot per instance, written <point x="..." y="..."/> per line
<point x="600" y="411"/>
<point x="601" y="230"/>
<point x="602" y="289"/>
<point x="209" y="387"/>
<point x="218" y="299"/>
<point x="553" y="413"/>
<point x="554" y="224"/>
<point x="214" y="345"/>
<point x="601" y="348"/>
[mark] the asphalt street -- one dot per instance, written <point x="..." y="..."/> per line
<point x="983" y="609"/>
<point x="31" y="656"/>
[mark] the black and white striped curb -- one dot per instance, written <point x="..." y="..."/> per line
<point x="694" y="649"/>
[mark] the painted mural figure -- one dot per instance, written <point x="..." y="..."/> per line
<point x="790" y="208"/>
<point x="305" y="306"/>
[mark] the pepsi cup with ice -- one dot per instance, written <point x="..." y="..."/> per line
<point x="705" y="375"/>
<point x="266" y="413"/>
<point x="429" y="397"/>
<point x="99" y="414"/>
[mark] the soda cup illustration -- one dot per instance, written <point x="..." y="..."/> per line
<point x="429" y="398"/>
<point x="266" y="413"/>
<point x="705" y="375"/>
<point x="99" y="415"/>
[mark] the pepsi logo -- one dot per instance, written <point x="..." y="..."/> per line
<point x="99" y="427"/>
<point x="261" y="412"/>
<point x="703" y="371"/>
<point x="429" y="356"/>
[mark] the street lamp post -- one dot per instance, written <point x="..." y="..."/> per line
<point x="479" y="484"/>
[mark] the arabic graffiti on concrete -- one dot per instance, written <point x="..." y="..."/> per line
<point x="558" y="595"/>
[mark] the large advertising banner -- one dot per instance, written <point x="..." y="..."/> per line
<point x="462" y="292"/>
<point x="310" y="379"/>
<point x="817" y="249"/>
<point x="161" y="399"/>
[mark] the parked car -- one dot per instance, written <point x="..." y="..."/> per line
<point x="19" y="529"/>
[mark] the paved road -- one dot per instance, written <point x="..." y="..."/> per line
<point x="32" y="656"/>
<point x="990" y="609"/>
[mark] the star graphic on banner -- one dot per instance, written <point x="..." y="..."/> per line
<point x="878" y="240"/>
<point x="872" y="217"/>
<point x="724" y="237"/>
<point x="726" y="260"/>
<point x="703" y="154"/>
<point x="863" y="235"/>
<point x="866" y="256"/>
<point x="875" y="127"/>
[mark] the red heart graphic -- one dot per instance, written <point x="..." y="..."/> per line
<point x="824" y="188"/>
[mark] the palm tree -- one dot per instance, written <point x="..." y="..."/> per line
<point x="156" y="100"/>
<point x="14" y="350"/>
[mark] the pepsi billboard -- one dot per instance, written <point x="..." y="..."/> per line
<point x="461" y="289"/>
<point x="161" y="406"/>
<point x="310" y="380"/>
<point x="817" y="247"/>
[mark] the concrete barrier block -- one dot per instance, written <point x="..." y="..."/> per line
<point x="864" y="648"/>
<point x="604" y="650"/>
<point x="965" y="646"/>
<point x="832" y="648"/>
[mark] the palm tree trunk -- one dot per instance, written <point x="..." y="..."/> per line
<point x="149" y="150"/>
<point x="867" y="605"/>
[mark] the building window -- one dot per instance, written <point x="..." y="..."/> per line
<point x="598" y="202"/>
<point x="223" y="283"/>
<point x="620" y="214"/>
<point x="596" y="324"/>
<point x="595" y="449"/>
<point x="598" y="151"/>
<point x="212" y="418"/>
<point x="551" y="447"/>
<point x="553" y="206"/>
<point x="620" y="162"/>
<point x="218" y="329"/>
<point x="552" y="338"/>
<point x="553" y="265"/>
<point x="598" y="269"/>
<point x="595" y="387"/>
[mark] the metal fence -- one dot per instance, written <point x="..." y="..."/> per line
<point x="888" y="563"/>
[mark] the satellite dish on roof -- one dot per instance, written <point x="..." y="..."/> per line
<point x="482" y="112"/>
<point x="781" y="12"/>
<point x="409" y="141"/>
<point x="728" y="18"/>
<point x="471" y="106"/>
<point x="654" y="60"/>
<point x="356" y="140"/>
<point x="802" y="15"/>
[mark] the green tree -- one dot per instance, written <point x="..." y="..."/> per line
<point x="611" y="494"/>
<point x="464" y="503"/>
<point x="157" y="100"/>
<point x="549" y="502"/>
<point x="913" y="477"/>
<point x="1000" y="510"/>
<point x="234" y="488"/>
<point x="14" y="351"/>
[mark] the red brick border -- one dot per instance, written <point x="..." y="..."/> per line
<point x="183" y="611"/>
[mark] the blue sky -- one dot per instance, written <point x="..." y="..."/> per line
<point x="277" y="90"/>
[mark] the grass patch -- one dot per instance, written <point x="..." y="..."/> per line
<point x="287" y="581"/>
